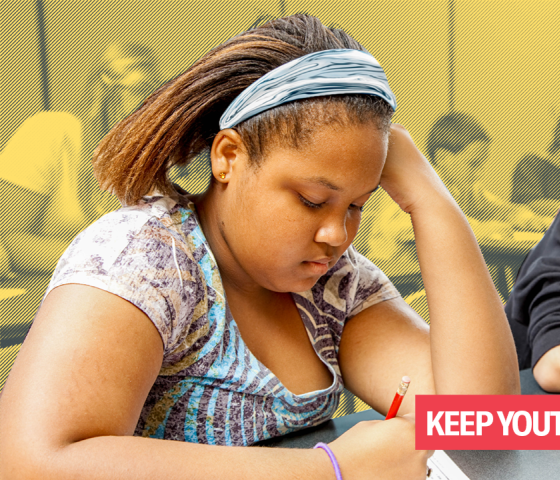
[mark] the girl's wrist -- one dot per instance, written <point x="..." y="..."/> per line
<point x="434" y="200"/>
<point x="332" y="457"/>
<point x="426" y="191"/>
<point x="323" y="466"/>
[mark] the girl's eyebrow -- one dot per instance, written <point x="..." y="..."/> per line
<point x="326" y="183"/>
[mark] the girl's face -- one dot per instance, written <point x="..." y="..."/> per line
<point x="285" y="223"/>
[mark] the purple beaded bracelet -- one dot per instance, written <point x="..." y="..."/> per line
<point x="326" y="448"/>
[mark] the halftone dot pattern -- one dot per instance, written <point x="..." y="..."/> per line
<point x="8" y="355"/>
<point x="496" y="61"/>
<point x="195" y="177"/>
<point x="76" y="40"/>
<point x="19" y="50"/>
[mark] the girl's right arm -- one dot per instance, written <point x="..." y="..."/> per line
<point x="77" y="388"/>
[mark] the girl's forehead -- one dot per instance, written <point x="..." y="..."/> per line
<point x="338" y="161"/>
<point x="337" y="137"/>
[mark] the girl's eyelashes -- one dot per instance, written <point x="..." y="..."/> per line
<point x="309" y="204"/>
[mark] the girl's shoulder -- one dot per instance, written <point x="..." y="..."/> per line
<point x="152" y="254"/>
<point x="153" y="220"/>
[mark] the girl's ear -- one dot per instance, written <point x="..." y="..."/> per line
<point x="227" y="151"/>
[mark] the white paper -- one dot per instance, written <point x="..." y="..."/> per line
<point x="443" y="468"/>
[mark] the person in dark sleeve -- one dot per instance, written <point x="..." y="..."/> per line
<point x="536" y="180"/>
<point x="533" y="310"/>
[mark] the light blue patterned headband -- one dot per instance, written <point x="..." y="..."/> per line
<point x="328" y="72"/>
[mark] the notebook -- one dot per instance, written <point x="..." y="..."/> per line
<point x="443" y="468"/>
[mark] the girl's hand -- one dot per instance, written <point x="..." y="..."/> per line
<point x="381" y="450"/>
<point x="408" y="177"/>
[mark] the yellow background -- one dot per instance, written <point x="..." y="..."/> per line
<point x="505" y="68"/>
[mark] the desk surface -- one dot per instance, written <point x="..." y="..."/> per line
<point x="476" y="464"/>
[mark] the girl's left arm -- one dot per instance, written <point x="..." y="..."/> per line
<point x="378" y="347"/>
<point x="468" y="348"/>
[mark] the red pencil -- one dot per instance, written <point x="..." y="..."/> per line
<point x="403" y="387"/>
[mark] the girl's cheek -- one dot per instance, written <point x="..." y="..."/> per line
<point x="352" y="227"/>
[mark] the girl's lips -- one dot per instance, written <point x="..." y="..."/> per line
<point x="322" y="260"/>
<point x="319" y="266"/>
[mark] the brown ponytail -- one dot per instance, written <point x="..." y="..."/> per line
<point x="180" y="119"/>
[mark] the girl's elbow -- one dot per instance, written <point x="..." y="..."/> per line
<point x="26" y="457"/>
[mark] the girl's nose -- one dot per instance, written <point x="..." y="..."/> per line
<point x="332" y="231"/>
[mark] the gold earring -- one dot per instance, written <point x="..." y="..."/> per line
<point x="222" y="175"/>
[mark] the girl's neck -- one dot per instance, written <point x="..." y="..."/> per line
<point x="235" y="279"/>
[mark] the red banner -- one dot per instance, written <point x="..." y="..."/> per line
<point x="487" y="422"/>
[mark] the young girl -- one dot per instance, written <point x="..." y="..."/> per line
<point x="235" y="316"/>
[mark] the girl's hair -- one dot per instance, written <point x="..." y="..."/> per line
<point x="454" y="132"/>
<point x="180" y="120"/>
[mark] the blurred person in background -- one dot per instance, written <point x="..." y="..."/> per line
<point x="536" y="180"/>
<point x="46" y="177"/>
<point x="533" y="310"/>
<point x="458" y="147"/>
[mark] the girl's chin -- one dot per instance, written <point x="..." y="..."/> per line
<point x="303" y="285"/>
<point x="299" y="278"/>
<point x="298" y="285"/>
